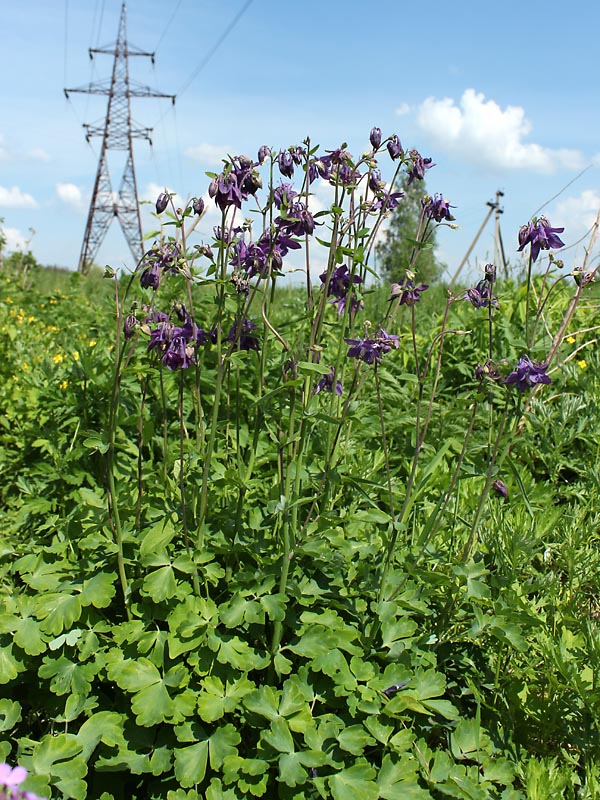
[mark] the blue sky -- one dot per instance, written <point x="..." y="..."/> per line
<point x="501" y="96"/>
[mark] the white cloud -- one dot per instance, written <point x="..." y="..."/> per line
<point x="403" y="109"/>
<point x="70" y="195"/>
<point x="14" y="239"/>
<point x="486" y="134"/>
<point x="209" y="154"/>
<point x="38" y="154"/>
<point x="577" y="214"/>
<point x="15" y="198"/>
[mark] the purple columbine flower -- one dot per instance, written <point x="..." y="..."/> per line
<point x="481" y="296"/>
<point x="179" y="354"/>
<point x="437" y="208"/>
<point x="198" y="206"/>
<point x="284" y="194"/>
<point x="150" y="277"/>
<point x="339" y="287"/>
<point x="419" y="166"/>
<point x="541" y="236"/>
<point x="242" y="335"/>
<point x="394" y="147"/>
<point x="371" y="350"/>
<point x="386" y="202"/>
<point x="264" y="152"/>
<point x="286" y="163"/>
<point x="500" y="488"/>
<point x="527" y="374"/>
<point x="162" y="202"/>
<point x="375" y="138"/>
<point x="408" y="293"/>
<point x="130" y="325"/>
<point x="328" y="383"/>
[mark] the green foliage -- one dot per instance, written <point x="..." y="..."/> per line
<point x="343" y="612"/>
<point x="399" y="251"/>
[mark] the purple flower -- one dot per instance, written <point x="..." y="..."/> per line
<point x="371" y="350"/>
<point x="12" y="777"/>
<point x="408" y="293"/>
<point x="198" y="206"/>
<point x="375" y="138"/>
<point x="150" y="277"/>
<point x="500" y="487"/>
<point x="541" y="236"/>
<point x="178" y="354"/>
<point x="339" y="287"/>
<point x="490" y="272"/>
<point x="264" y="152"/>
<point x="284" y="194"/>
<point x="376" y="185"/>
<point x="481" y="296"/>
<point x="328" y="383"/>
<point x="297" y="221"/>
<point x="527" y="374"/>
<point x="297" y="153"/>
<point x="130" y="325"/>
<point x="241" y="333"/>
<point x="162" y="202"/>
<point x="418" y="166"/>
<point x="394" y="147"/>
<point x="437" y="208"/>
<point x="386" y="202"/>
<point x="286" y="163"/>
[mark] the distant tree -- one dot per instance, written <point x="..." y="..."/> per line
<point x="397" y="253"/>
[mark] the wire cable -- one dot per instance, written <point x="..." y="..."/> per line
<point x="168" y="25"/>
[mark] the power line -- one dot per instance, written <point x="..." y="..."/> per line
<point x="168" y="25"/>
<point x="215" y="47"/>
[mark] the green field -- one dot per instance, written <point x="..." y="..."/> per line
<point x="225" y="575"/>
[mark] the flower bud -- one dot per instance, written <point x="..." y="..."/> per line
<point x="198" y="206"/>
<point x="264" y="152"/>
<point x="375" y="137"/>
<point x="162" y="202"/>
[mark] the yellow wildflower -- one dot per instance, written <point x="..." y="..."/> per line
<point x="25" y="367"/>
<point x="582" y="364"/>
<point x="30" y="319"/>
<point x="571" y="339"/>
<point x="76" y="356"/>
<point x="63" y="385"/>
<point x="92" y="343"/>
<point x="52" y="301"/>
<point x="58" y="358"/>
<point x="8" y="300"/>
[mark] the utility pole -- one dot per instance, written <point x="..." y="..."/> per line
<point x="492" y="206"/>
<point x="118" y="133"/>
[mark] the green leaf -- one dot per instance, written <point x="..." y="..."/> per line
<point x="67" y="676"/>
<point x="398" y="779"/>
<point x="10" y="714"/>
<point x="190" y="763"/>
<point x="354" y="739"/>
<point x="29" y="638"/>
<point x="223" y="743"/>
<point x="279" y="736"/>
<point x="355" y="782"/>
<point x="106" y="727"/>
<point x="161" y="584"/>
<point x="52" y="753"/>
<point x="9" y="666"/>
<point x="99" y="590"/>
<point x="58" y="611"/>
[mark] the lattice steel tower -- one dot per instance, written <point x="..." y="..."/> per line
<point x="118" y="133"/>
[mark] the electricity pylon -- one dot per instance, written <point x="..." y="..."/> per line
<point x="118" y="133"/>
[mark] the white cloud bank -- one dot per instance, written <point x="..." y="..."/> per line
<point x="577" y="214"/>
<point x="490" y="136"/>
<point x="70" y="195"/>
<point x="209" y="154"/>
<point x="14" y="239"/>
<point x="15" y="198"/>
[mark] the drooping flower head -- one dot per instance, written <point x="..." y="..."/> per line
<point x="162" y="201"/>
<point x="394" y="147"/>
<point x="500" y="488"/>
<point x="339" y="287"/>
<point x="408" y="293"/>
<point x="419" y="166"/>
<point x="375" y="138"/>
<point x="328" y="383"/>
<point x="285" y="163"/>
<point x="541" y="236"/>
<point x="437" y="208"/>
<point x="480" y="296"/>
<point x="527" y="374"/>
<point x="371" y="350"/>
